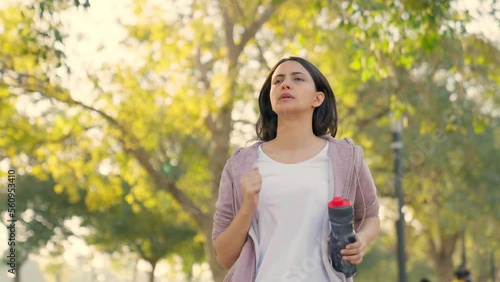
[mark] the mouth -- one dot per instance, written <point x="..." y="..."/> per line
<point x="286" y="96"/>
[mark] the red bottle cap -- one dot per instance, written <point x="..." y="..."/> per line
<point x="338" y="202"/>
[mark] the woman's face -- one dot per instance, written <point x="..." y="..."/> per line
<point x="293" y="90"/>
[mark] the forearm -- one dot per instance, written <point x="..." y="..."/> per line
<point x="230" y="242"/>
<point x="354" y="252"/>
<point x="369" y="230"/>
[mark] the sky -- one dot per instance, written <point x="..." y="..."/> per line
<point x="483" y="24"/>
<point x="95" y="34"/>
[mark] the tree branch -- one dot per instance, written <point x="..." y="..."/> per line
<point x="432" y="249"/>
<point x="262" y="59"/>
<point x="366" y="121"/>
<point x="203" y="68"/>
<point x="243" y="121"/>
<point x="133" y="147"/>
<point x="255" y="26"/>
<point x="228" y="28"/>
<point x="162" y="182"/>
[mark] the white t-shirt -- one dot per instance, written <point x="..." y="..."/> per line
<point x="292" y="203"/>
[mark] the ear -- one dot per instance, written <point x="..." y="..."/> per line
<point x="319" y="97"/>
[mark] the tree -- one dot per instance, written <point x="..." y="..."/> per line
<point x="144" y="140"/>
<point x="168" y="123"/>
<point x="422" y="55"/>
<point x="40" y="215"/>
<point x="153" y="230"/>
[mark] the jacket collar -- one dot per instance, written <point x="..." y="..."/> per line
<point x="340" y="152"/>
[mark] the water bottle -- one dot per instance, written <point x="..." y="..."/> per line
<point x="341" y="215"/>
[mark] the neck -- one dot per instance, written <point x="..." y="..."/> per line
<point x="293" y="133"/>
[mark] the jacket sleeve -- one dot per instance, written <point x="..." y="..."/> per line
<point x="224" y="207"/>
<point x="366" y="201"/>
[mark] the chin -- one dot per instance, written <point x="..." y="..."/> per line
<point x="286" y="109"/>
<point x="280" y="110"/>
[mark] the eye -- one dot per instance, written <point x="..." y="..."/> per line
<point x="277" y="81"/>
<point x="299" y="79"/>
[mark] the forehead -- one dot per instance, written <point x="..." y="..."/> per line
<point x="290" y="67"/>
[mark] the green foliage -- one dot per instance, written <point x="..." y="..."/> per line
<point x="40" y="215"/>
<point x="146" y="152"/>
<point x="154" y="231"/>
<point x="86" y="157"/>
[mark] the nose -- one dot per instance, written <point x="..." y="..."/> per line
<point x="285" y="84"/>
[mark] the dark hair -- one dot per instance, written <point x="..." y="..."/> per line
<point x="462" y="273"/>
<point x="324" y="117"/>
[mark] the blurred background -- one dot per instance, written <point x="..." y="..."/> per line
<point x="118" y="117"/>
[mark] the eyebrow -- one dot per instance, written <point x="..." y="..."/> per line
<point x="293" y="73"/>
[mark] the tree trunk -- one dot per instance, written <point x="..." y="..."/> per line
<point x="222" y="125"/>
<point x="134" y="275"/>
<point x="444" y="269"/>
<point x="17" y="276"/>
<point x="152" y="273"/>
<point x="221" y="140"/>
<point x="441" y="250"/>
<point x="218" y="273"/>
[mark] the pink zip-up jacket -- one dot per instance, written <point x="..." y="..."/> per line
<point x="344" y="158"/>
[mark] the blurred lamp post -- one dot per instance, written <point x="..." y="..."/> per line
<point x="464" y="257"/>
<point x="397" y="146"/>
<point x="492" y="265"/>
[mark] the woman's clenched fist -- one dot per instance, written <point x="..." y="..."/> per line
<point x="251" y="184"/>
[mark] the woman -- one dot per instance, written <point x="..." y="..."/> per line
<point x="271" y="221"/>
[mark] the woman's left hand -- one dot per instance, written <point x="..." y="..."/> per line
<point x="354" y="252"/>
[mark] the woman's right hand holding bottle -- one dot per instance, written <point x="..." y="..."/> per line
<point x="251" y="184"/>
